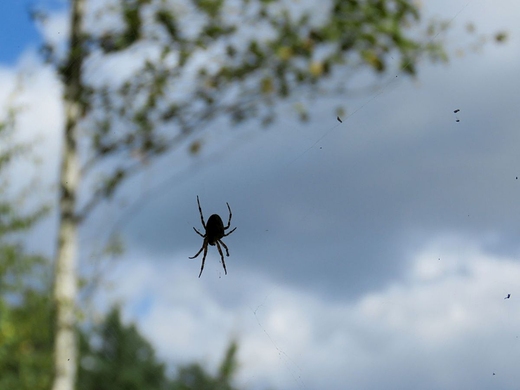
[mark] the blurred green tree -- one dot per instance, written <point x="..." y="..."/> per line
<point x="195" y="377"/>
<point x="116" y="356"/>
<point x="25" y="279"/>
<point x="25" y="320"/>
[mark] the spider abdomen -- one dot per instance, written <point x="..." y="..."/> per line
<point x="214" y="229"/>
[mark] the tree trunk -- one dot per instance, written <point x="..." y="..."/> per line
<point x="65" y="278"/>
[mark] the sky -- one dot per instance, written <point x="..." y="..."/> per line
<point x="371" y="253"/>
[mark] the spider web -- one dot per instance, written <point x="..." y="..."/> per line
<point x="271" y="242"/>
<point x="152" y="193"/>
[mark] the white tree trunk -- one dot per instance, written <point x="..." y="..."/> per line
<point x="65" y="278"/>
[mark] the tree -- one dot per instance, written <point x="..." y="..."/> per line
<point x="235" y="62"/>
<point x="65" y="277"/>
<point x="116" y="356"/>
<point x="25" y="324"/>
<point x="194" y="377"/>
<point x="25" y="307"/>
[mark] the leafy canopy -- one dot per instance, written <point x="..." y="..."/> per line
<point x="183" y="64"/>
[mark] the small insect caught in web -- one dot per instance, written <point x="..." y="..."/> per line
<point x="455" y="112"/>
<point x="339" y="119"/>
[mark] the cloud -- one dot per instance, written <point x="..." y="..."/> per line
<point x="35" y="91"/>
<point x="447" y="324"/>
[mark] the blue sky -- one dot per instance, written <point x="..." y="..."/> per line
<point x="18" y="30"/>
<point x="387" y="246"/>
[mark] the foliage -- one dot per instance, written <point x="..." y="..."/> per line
<point x="194" y="377"/>
<point x="25" y="310"/>
<point x="11" y="219"/>
<point x="25" y="321"/>
<point x="194" y="61"/>
<point x="116" y="356"/>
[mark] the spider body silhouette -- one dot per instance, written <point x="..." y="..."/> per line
<point x="214" y="231"/>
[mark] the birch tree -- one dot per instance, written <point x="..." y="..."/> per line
<point x="65" y="277"/>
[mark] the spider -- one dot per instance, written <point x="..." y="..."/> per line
<point x="214" y="231"/>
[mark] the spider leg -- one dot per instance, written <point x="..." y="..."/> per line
<point x="228" y="233"/>
<point x="203" y="259"/>
<point x="204" y="245"/>
<point x="230" y="214"/>
<point x="199" y="233"/>
<point x="225" y="246"/>
<point x="222" y="255"/>
<point x="200" y="211"/>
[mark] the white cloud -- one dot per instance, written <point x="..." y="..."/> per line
<point x="55" y="31"/>
<point x="449" y="307"/>
<point x="35" y="90"/>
